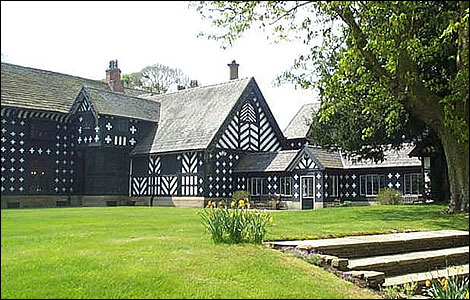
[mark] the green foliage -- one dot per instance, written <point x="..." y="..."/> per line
<point x="235" y="224"/>
<point x="387" y="72"/>
<point x="132" y="80"/>
<point x="449" y="288"/>
<point x="314" y="259"/>
<point x="391" y="292"/>
<point x="396" y="291"/>
<point x="389" y="196"/>
<point x="409" y="288"/>
<point x="240" y="195"/>
<point x="156" y="78"/>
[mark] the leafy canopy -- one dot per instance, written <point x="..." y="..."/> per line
<point x="387" y="71"/>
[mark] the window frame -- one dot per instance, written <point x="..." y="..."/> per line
<point x="307" y="187"/>
<point x="375" y="184"/>
<point x="419" y="183"/>
<point x="258" y="184"/>
<point x="284" y="182"/>
<point x="334" y="181"/>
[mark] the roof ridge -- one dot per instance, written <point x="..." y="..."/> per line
<point x="200" y="87"/>
<point x="68" y="75"/>
<point x="116" y="93"/>
<point x="54" y="72"/>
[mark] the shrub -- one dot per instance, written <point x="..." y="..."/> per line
<point x="453" y="288"/>
<point x="240" y="195"/>
<point x="388" y="196"/>
<point x="234" y="223"/>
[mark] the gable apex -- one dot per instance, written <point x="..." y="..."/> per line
<point x="250" y="125"/>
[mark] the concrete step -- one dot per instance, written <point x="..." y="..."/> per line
<point x="381" y="244"/>
<point x="412" y="262"/>
<point x="420" y="278"/>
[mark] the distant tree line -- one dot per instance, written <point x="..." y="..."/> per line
<point x="156" y="78"/>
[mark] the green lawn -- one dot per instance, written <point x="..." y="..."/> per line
<point x="157" y="252"/>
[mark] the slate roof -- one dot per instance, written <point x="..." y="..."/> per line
<point x="299" y="125"/>
<point x="190" y="118"/>
<point x="328" y="159"/>
<point x="118" y="104"/>
<point x="37" y="89"/>
<point x="393" y="158"/>
<point x="280" y="161"/>
<point x="266" y="161"/>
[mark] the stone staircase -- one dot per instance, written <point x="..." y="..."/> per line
<point x="392" y="259"/>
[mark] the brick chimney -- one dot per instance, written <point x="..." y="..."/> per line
<point x="233" y="70"/>
<point x="113" y="77"/>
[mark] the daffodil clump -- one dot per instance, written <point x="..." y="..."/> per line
<point x="448" y="288"/>
<point x="235" y="223"/>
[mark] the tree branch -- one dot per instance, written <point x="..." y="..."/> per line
<point x="419" y="100"/>
<point x="290" y="11"/>
<point x="361" y="41"/>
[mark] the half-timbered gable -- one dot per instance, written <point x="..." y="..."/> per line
<point x="112" y="119"/>
<point x="251" y="126"/>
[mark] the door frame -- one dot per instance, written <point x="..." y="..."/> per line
<point x="301" y="190"/>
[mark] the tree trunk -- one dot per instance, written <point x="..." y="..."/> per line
<point x="457" y="155"/>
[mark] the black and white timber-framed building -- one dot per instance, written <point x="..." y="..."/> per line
<point x="70" y="141"/>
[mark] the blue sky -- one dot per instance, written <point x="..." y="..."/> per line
<point x="79" y="38"/>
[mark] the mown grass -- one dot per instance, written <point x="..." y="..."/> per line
<point x="158" y="252"/>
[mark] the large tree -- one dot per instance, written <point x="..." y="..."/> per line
<point x="387" y="72"/>
<point x="156" y="78"/>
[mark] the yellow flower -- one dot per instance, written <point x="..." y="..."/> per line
<point x="444" y="281"/>
<point x="241" y="203"/>
<point x="232" y="214"/>
<point x="255" y="211"/>
<point x="466" y="296"/>
<point x="248" y="204"/>
<point x="271" y="220"/>
<point x="198" y="213"/>
<point x="444" y="284"/>
<point x="453" y="267"/>
<point x="221" y="204"/>
<point x="428" y="283"/>
<point x="209" y="204"/>
<point x="232" y="204"/>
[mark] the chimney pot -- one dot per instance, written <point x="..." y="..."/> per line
<point x="113" y="77"/>
<point x="233" y="70"/>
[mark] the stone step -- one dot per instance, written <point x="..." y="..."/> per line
<point x="412" y="262"/>
<point x="381" y="244"/>
<point x="420" y="278"/>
